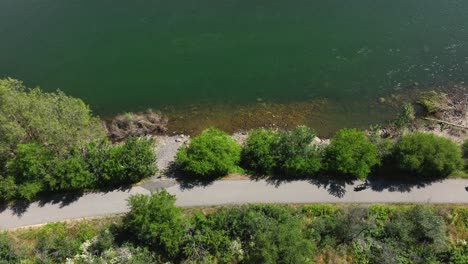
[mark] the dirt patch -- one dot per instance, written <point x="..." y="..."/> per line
<point x="236" y="177"/>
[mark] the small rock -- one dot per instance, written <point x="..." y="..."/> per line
<point x="178" y="140"/>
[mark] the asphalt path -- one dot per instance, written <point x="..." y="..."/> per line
<point x="452" y="191"/>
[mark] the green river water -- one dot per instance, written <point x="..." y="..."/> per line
<point x="121" y="55"/>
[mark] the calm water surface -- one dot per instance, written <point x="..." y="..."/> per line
<point x="122" y="55"/>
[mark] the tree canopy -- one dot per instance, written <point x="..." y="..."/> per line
<point x="54" y="120"/>
<point x="211" y="154"/>
<point x="350" y="152"/>
<point x="428" y="155"/>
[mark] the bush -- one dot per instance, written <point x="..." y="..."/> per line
<point x="297" y="156"/>
<point x="427" y="155"/>
<point x="211" y="154"/>
<point x="289" y="153"/>
<point x="8" y="189"/>
<point x="201" y="241"/>
<point x="418" y="226"/>
<point x="267" y="234"/>
<point x="432" y="101"/>
<point x="259" y="152"/>
<point x="154" y="221"/>
<point x="7" y="252"/>
<point x="31" y="163"/>
<point x="405" y="117"/>
<point x="56" y="242"/>
<point x="70" y="173"/>
<point x="132" y="161"/>
<point x="465" y="149"/>
<point x="351" y="153"/>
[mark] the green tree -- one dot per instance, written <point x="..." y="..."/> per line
<point x="297" y="156"/>
<point x="54" y="120"/>
<point x="211" y="154"/>
<point x="350" y="152"/>
<point x="30" y="167"/>
<point x="427" y="155"/>
<point x="115" y="165"/>
<point x="156" y="222"/>
<point x="70" y="173"/>
<point x="259" y="153"/>
<point x="136" y="160"/>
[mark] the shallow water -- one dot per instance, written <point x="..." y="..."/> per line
<point x="131" y="55"/>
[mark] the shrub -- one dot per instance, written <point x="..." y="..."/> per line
<point x="432" y="101"/>
<point x="297" y="156"/>
<point x="418" y="226"/>
<point x="405" y="117"/>
<point x="7" y="252"/>
<point x="70" y="173"/>
<point x="427" y="155"/>
<point x="268" y="234"/>
<point x="465" y="149"/>
<point x="259" y="153"/>
<point x="351" y="153"/>
<point x="154" y="221"/>
<point x="31" y="163"/>
<point x="201" y="241"/>
<point x="135" y="160"/>
<point x="8" y="189"/>
<point x="57" y="242"/>
<point x="211" y="154"/>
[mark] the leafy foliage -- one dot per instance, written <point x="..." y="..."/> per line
<point x="432" y="101"/>
<point x="7" y="251"/>
<point x="259" y="152"/>
<point x="211" y="154"/>
<point x="290" y="153"/>
<point x="51" y="119"/>
<point x="35" y="168"/>
<point x="268" y="234"/>
<point x="297" y="156"/>
<point x="154" y="221"/>
<point x="427" y="155"/>
<point x="465" y="149"/>
<point x="201" y="242"/>
<point x="251" y="234"/>
<point x="405" y="117"/>
<point x="350" y="152"/>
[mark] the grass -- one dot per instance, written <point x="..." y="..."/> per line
<point x="459" y="174"/>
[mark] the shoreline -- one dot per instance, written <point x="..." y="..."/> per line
<point x="325" y="116"/>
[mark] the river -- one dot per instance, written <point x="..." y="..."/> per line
<point x="121" y="55"/>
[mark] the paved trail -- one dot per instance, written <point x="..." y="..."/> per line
<point x="232" y="192"/>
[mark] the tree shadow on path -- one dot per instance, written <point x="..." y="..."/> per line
<point x="187" y="182"/>
<point x="19" y="207"/>
<point x="335" y="185"/>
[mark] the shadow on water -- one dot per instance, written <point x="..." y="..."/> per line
<point x="19" y="207"/>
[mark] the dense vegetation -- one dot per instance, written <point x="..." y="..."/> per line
<point x="211" y="154"/>
<point x="50" y="142"/>
<point x="286" y="153"/>
<point x="428" y="155"/>
<point x="155" y="231"/>
<point x="350" y="152"/>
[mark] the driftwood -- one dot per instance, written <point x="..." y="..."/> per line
<point x="445" y="122"/>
